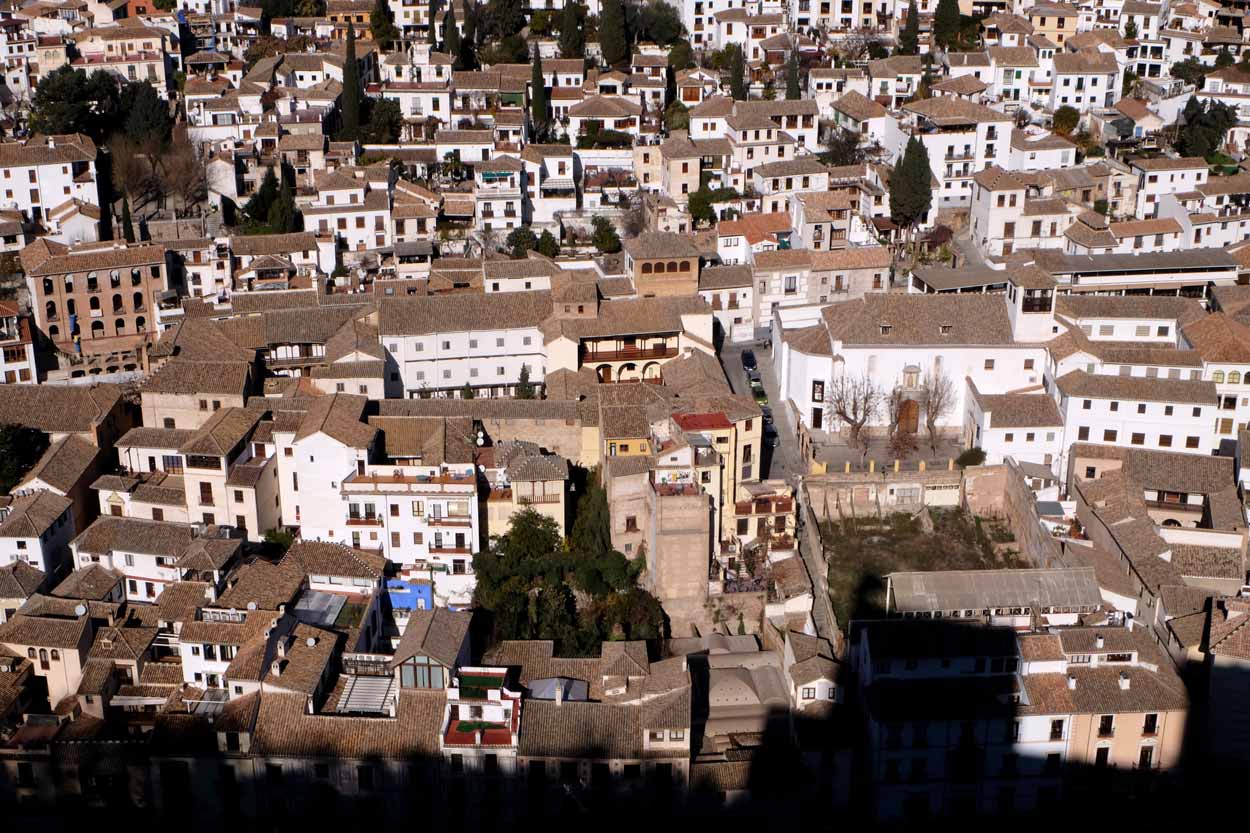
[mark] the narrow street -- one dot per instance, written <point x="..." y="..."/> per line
<point x="784" y="463"/>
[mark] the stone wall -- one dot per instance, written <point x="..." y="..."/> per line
<point x="1002" y="492"/>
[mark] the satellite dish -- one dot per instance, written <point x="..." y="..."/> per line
<point x="311" y="642"/>
<point x="251" y="605"/>
<point x="80" y="610"/>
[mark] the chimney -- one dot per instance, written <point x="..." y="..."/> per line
<point x="1125" y="682"/>
<point x="1099" y="641"/>
<point x="559" y="691"/>
<point x="275" y="668"/>
<point x="282" y="647"/>
<point x="1071" y="682"/>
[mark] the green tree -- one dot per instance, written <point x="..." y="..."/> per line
<point x="613" y="40"/>
<point x="572" y="31"/>
<point x="466" y="59"/>
<point x="1130" y="30"/>
<point x="676" y="116"/>
<point x="842" y="147"/>
<point x="1066" y="119"/>
<point x="1191" y="71"/>
<point x="351" y="89"/>
<point x="1224" y="58"/>
<point x="382" y="25"/>
<point x="538" y="95"/>
<point x="432" y="30"/>
<point x="257" y="208"/>
<point x="503" y="18"/>
<point x="946" y="23"/>
<point x="681" y="56"/>
<point x="20" y="448"/>
<point x="451" y="35"/>
<point x="548" y="246"/>
<point x="524" y="387"/>
<point x="280" y="537"/>
<point x="794" y="88"/>
<point x="466" y="392"/>
<point x="386" y="121"/>
<point x="911" y="186"/>
<point x="144" y="115"/>
<point x="738" y="73"/>
<point x="521" y="240"/>
<point x="128" y="228"/>
<point x="70" y="101"/>
<point x="659" y="22"/>
<point x="604" y="236"/>
<point x="909" y="36"/>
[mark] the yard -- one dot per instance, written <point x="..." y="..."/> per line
<point x="861" y="552"/>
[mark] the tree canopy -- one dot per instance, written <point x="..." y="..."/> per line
<point x="659" y="22"/>
<point x="70" y="101"/>
<point x="351" y="88"/>
<point x="572" y="30"/>
<point x="20" y="448"/>
<point x="794" y="89"/>
<point x="911" y="185"/>
<point x="909" y="36"/>
<point x="548" y="246"/>
<point x="521" y="240"/>
<point x="613" y="40"/>
<point x="738" y="73"/>
<point x="946" y="23"/>
<point x="538" y="95"/>
<point x="382" y="24"/>
<point x="1066" y="119"/>
<point x="144" y="115"/>
<point x="604" y="235"/>
<point x="1205" y="126"/>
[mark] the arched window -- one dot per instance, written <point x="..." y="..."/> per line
<point x="93" y="282"/>
<point x="54" y="331"/>
<point x="138" y="300"/>
<point x="646" y="268"/>
<point x="48" y="286"/>
<point x="141" y="324"/>
<point x="69" y="283"/>
<point x="97" y="329"/>
<point x="672" y="266"/>
<point x="1218" y="377"/>
<point x="94" y="303"/>
<point x="115" y="279"/>
<point x="1234" y="377"/>
<point x="119" y="326"/>
<point x="685" y="266"/>
<point x="136" y="277"/>
<point x="71" y="306"/>
<point x="117" y="303"/>
<point x="659" y="268"/>
<point x="50" y="310"/>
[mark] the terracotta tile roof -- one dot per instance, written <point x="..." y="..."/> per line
<point x="462" y="312"/>
<point x="19" y="580"/>
<point x="58" y="408"/>
<point x="1018" y="410"/>
<point x="285" y="729"/>
<point x="956" y="319"/>
<point x="1167" y="163"/>
<point x="192" y="377"/>
<point x="950" y="110"/>
<point x="318" y="558"/>
<point x="31" y="515"/>
<point x="110" y="533"/>
<point x="1079" y="383"/>
<point x="24" y="630"/>
<point x="145" y="437"/>
<point x="438" y="633"/>
<point x="95" y="257"/>
<point x="338" y="416"/>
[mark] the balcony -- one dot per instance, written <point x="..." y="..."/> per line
<point x="365" y="520"/>
<point x="538" y="499"/>
<point x="960" y="156"/>
<point x="463" y="520"/>
<point x="630" y="354"/>
<point x="447" y="550"/>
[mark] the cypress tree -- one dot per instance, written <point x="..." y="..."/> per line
<point x="382" y="24"/>
<point x="793" y="89"/>
<point x="738" y="74"/>
<point x="946" y="23"/>
<point x="612" y="39"/>
<point x="909" y="38"/>
<point x="351" y="87"/>
<point x="432" y="32"/>
<point x="572" y="37"/>
<point x="468" y="43"/>
<point x="538" y="96"/>
<point x="911" y="186"/>
<point x="128" y="229"/>
<point x="451" y="35"/>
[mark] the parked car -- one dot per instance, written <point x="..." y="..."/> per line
<point x="748" y="361"/>
<point x="770" y="436"/>
<point x="753" y="375"/>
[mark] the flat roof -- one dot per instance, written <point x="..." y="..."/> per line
<point x="979" y="589"/>
<point x="1188" y="259"/>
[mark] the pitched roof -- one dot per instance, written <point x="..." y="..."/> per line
<point x="63" y="464"/>
<point x="438" y="633"/>
<point x="338" y="416"/>
<point x="57" y="408"/>
<point x="31" y="515"/>
<point x="462" y="312"/>
<point x="902" y="320"/>
<point x="318" y="558"/>
<point x="19" y="580"/>
<point x="1105" y="386"/>
<point x="109" y="533"/>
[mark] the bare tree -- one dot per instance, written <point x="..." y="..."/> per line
<point x="183" y="170"/>
<point x="855" y="400"/>
<point x="900" y="442"/>
<point x="132" y="175"/>
<point x="937" y="397"/>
